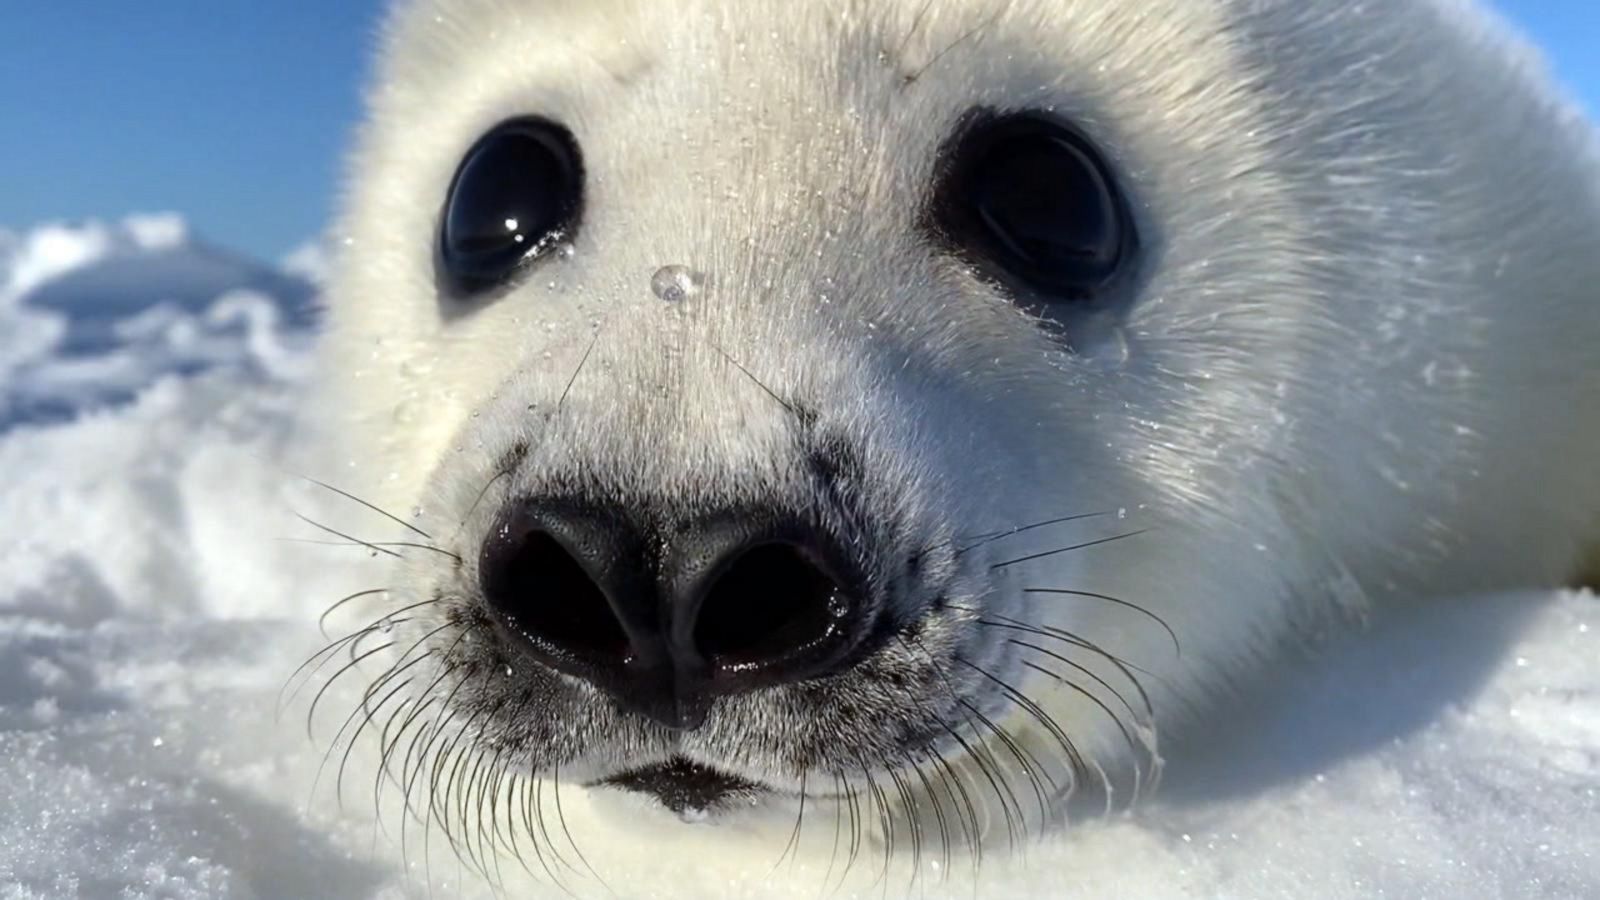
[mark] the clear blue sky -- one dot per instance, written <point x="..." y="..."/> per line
<point x="235" y="112"/>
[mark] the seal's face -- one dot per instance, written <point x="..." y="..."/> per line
<point x="804" y="395"/>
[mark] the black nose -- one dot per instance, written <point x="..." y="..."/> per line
<point x="667" y="619"/>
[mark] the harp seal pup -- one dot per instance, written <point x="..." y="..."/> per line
<point x="913" y="410"/>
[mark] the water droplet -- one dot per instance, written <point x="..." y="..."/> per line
<point x="510" y="671"/>
<point x="416" y="512"/>
<point x="837" y="605"/>
<point x="386" y="626"/>
<point x="566" y="251"/>
<point x="157" y="742"/>
<point x="676" y="284"/>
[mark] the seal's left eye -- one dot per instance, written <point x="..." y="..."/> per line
<point x="1029" y="200"/>
<point x="517" y="194"/>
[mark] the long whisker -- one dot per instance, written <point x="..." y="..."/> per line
<point x="375" y="544"/>
<point x="388" y="620"/>
<point x="980" y="540"/>
<point x="1089" y="673"/>
<point x="583" y="361"/>
<point x="482" y="492"/>
<point x="995" y="778"/>
<point x="966" y="36"/>
<point x="354" y="540"/>
<point x="1177" y="648"/>
<point x="311" y="715"/>
<point x="322" y="620"/>
<point x="561" y="819"/>
<point x="793" y="845"/>
<point x="1086" y="544"/>
<point x="1075" y="758"/>
<point x="377" y="509"/>
<point x="916" y="23"/>
<point x="758" y="382"/>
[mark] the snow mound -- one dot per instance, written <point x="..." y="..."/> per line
<point x="91" y="314"/>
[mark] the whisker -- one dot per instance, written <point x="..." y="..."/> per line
<point x="1124" y="666"/>
<point x="916" y="23"/>
<point x="938" y="812"/>
<point x="322" y="620"/>
<point x="980" y="540"/>
<point x="370" y="710"/>
<point x="389" y="619"/>
<point x="583" y="361"/>
<point x="1002" y="796"/>
<point x="329" y="651"/>
<point x="310" y="715"/>
<point x="911" y="807"/>
<point x="1032" y="768"/>
<point x="981" y="757"/>
<point x="1081" y="691"/>
<point x="1075" y="758"/>
<point x="793" y="845"/>
<point x="1090" y="673"/>
<point x="838" y="827"/>
<point x="758" y="382"/>
<point x="880" y="801"/>
<point x="374" y="544"/>
<point x="1060" y="550"/>
<point x="561" y="818"/>
<point x="908" y="80"/>
<point x="354" y="540"/>
<point x="377" y="509"/>
<point x="1177" y="648"/>
<point x="853" y="803"/>
<point x="483" y="492"/>
<point x="966" y="812"/>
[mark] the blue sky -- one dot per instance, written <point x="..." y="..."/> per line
<point x="235" y="112"/>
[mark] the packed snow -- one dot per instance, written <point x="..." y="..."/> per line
<point x="154" y="599"/>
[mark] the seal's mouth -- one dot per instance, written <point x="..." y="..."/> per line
<point x="686" y="787"/>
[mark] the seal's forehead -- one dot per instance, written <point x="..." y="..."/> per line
<point x="1177" y="44"/>
<point x="425" y="35"/>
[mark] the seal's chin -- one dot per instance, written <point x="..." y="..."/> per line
<point x="687" y="788"/>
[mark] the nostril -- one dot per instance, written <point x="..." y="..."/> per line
<point x="772" y="609"/>
<point x="546" y="595"/>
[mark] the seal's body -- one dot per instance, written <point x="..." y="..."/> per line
<point x="935" y="401"/>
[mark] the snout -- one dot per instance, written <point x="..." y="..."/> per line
<point x="665" y="614"/>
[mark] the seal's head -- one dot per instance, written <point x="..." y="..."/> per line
<point x="905" y="397"/>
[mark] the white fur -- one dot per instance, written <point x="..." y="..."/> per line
<point x="1365" y="348"/>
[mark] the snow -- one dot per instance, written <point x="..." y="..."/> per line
<point x="309" y="261"/>
<point x="93" y="313"/>
<point x="149" y="616"/>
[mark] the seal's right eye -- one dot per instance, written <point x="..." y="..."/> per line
<point x="516" y="195"/>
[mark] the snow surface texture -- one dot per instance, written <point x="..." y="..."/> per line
<point x="149" y="616"/>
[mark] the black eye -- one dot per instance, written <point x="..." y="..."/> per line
<point x="1028" y="200"/>
<point x="516" y="195"/>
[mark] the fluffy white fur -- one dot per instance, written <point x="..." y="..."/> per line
<point x="1364" y="347"/>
